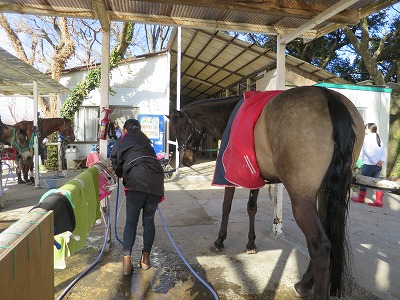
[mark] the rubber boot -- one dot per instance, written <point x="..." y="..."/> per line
<point x="145" y="261"/>
<point x="127" y="267"/>
<point x="360" y="198"/>
<point x="20" y="181"/>
<point x="378" y="199"/>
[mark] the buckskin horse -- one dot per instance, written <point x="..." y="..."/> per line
<point x="307" y="138"/>
<point x="46" y="126"/>
<point x="15" y="138"/>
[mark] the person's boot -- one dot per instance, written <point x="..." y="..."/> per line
<point x="360" y="198"/>
<point x="32" y="180"/>
<point x="127" y="267"/>
<point x="378" y="199"/>
<point x="145" y="261"/>
<point x="20" y="181"/>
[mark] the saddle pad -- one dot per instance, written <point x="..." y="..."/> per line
<point x="239" y="159"/>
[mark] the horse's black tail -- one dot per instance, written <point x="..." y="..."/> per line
<point x="335" y="194"/>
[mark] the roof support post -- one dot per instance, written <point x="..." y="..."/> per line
<point x="178" y="87"/>
<point x="280" y="64"/>
<point x="104" y="85"/>
<point x="278" y="188"/>
<point x="35" y="125"/>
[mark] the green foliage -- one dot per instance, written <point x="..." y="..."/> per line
<point x="51" y="163"/>
<point x="78" y="94"/>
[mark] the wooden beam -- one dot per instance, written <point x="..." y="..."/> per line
<point x="193" y="23"/>
<point x="100" y="9"/>
<point x="47" y="11"/>
<point x="376" y="7"/>
<point x="284" y="8"/>
<point x="363" y="13"/>
<point x="322" y="17"/>
<point x="141" y="18"/>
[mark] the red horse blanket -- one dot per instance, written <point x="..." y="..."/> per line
<point x="239" y="159"/>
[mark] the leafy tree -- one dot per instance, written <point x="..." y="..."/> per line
<point x="375" y="47"/>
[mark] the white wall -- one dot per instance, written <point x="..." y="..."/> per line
<point x="374" y="107"/>
<point x="140" y="86"/>
<point x="142" y="83"/>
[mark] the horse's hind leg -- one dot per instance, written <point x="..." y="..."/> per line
<point x="251" y="247"/>
<point x="319" y="247"/>
<point x="226" y="209"/>
<point x="306" y="283"/>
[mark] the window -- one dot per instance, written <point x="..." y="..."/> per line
<point x="122" y="113"/>
<point x="86" y="124"/>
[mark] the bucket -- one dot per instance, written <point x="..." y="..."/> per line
<point x="50" y="183"/>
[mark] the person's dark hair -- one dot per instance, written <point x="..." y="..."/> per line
<point x="133" y="126"/>
<point x="373" y="128"/>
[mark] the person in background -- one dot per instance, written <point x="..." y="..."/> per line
<point x="373" y="156"/>
<point x="118" y="132"/>
<point x="133" y="158"/>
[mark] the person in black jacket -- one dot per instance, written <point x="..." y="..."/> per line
<point x="133" y="158"/>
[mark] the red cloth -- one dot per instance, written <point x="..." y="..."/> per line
<point x="91" y="159"/>
<point x="239" y="158"/>
<point x="8" y="154"/>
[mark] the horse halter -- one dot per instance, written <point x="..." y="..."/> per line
<point x="14" y="142"/>
<point x="184" y="146"/>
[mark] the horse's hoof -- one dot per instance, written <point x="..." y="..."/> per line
<point x="251" y="251"/>
<point x="218" y="246"/>
<point x="301" y="290"/>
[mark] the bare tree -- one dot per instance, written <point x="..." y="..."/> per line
<point x="48" y="38"/>
<point x="156" y="37"/>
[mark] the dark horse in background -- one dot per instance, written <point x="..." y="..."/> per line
<point x="16" y="139"/>
<point x="46" y="126"/>
<point x="307" y="138"/>
<point x="216" y="129"/>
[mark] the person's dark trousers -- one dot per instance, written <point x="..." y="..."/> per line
<point x="135" y="202"/>
<point x="370" y="171"/>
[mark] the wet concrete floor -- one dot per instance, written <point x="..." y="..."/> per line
<point x="192" y="212"/>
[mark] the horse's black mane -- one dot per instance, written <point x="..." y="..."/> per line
<point x="213" y="102"/>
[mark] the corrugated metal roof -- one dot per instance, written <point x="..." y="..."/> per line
<point x="213" y="61"/>
<point x="16" y="78"/>
<point x="213" y="64"/>
<point x="269" y="16"/>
